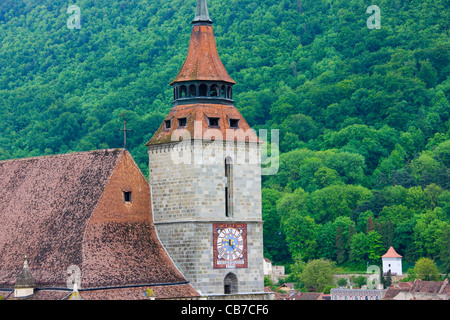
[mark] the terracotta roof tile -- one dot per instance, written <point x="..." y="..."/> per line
<point x="202" y="61"/>
<point x="64" y="210"/>
<point x="44" y="208"/>
<point x="198" y="127"/>
<point x="421" y="286"/>
<point x="391" y="253"/>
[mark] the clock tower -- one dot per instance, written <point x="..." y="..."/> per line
<point x="205" y="176"/>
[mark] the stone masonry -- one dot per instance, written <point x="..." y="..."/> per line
<point x="188" y="183"/>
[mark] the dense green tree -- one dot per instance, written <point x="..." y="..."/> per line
<point x="443" y="242"/>
<point x="396" y="214"/>
<point x="275" y="244"/>
<point x="426" y="270"/>
<point x="334" y="201"/>
<point x="359" y="248"/>
<point x="301" y="236"/>
<point x="429" y="228"/>
<point x="317" y="274"/>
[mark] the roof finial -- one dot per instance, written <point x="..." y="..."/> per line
<point x="202" y="14"/>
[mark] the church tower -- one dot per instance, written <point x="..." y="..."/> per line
<point x="205" y="176"/>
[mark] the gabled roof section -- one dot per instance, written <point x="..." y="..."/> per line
<point x="69" y="210"/>
<point x="45" y="204"/>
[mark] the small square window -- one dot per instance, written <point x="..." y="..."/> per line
<point x="126" y="196"/>
<point x="168" y="124"/>
<point x="213" y="122"/>
<point x="182" y="122"/>
<point x="234" y="123"/>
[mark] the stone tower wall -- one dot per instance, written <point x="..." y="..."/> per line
<point x="188" y="195"/>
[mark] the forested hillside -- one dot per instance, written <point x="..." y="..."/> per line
<point x="363" y="113"/>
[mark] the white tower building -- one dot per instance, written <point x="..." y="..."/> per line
<point x="392" y="261"/>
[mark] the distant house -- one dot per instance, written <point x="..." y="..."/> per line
<point x="311" y="296"/>
<point x="286" y="287"/>
<point x="287" y="292"/>
<point x="419" y="290"/>
<point x="392" y="262"/>
<point x="355" y="294"/>
<point x="267" y="267"/>
<point x="274" y="272"/>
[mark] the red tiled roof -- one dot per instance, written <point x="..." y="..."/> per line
<point x="45" y="205"/>
<point x="421" y="286"/>
<point x="309" y="296"/>
<point x="391" y="253"/>
<point x="197" y="115"/>
<point x="68" y="210"/>
<point x="392" y="292"/>
<point x="126" y="293"/>
<point x="202" y="61"/>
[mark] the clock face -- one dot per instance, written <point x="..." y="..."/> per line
<point x="230" y="246"/>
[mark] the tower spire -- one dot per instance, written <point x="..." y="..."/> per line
<point x="202" y="13"/>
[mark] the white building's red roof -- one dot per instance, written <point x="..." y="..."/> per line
<point x="391" y="253"/>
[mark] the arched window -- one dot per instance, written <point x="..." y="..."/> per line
<point x="192" y="90"/>
<point x="224" y="92"/>
<point x="230" y="93"/>
<point x="228" y="187"/>
<point x="174" y="93"/>
<point x="230" y="284"/>
<point x="214" y="92"/>
<point x="203" y="92"/>
<point x="183" y="92"/>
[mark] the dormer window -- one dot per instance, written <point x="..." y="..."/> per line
<point x="213" y="122"/>
<point x="168" y="124"/>
<point x="234" y="123"/>
<point x="182" y="122"/>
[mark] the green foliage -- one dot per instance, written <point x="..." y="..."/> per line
<point x="342" y="282"/>
<point x="363" y="114"/>
<point x="318" y="274"/>
<point x="426" y="270"/>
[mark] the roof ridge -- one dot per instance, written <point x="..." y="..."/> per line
<point x="59" y="155"/>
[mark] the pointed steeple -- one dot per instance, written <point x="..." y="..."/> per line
<point x="203" y="77"/>
<point x="203" y="91"/>
<point x="25" y="279"/>
<point x="25" y="283"/>
<point x="202" y="14"/>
